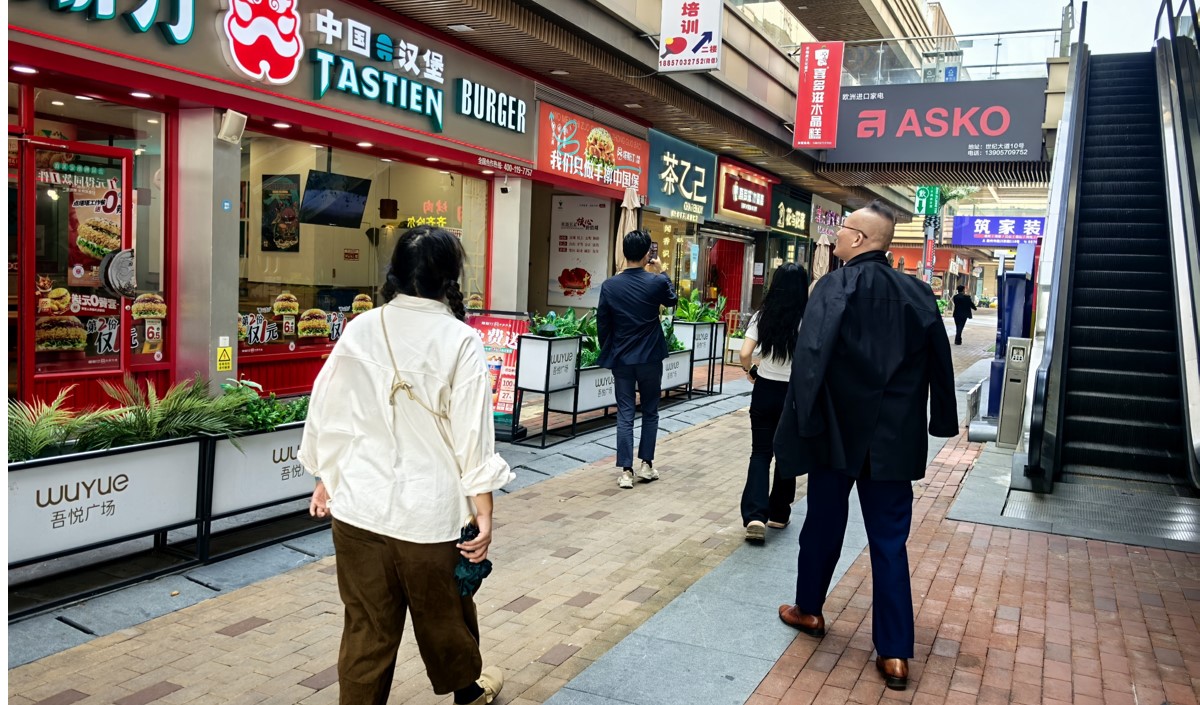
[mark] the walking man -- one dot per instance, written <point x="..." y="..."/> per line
<point x="872" y="352"/>
<point x="632" y="345"/>
<point x="963" y="306"/>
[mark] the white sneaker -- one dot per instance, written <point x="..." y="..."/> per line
<point x="625" y="481"/>
<point x="491" y="680"/>
<point x="646" y="472"/>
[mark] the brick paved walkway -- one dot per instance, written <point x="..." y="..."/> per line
<point x="1009" y="616"/>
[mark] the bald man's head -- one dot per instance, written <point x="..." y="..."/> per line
<point x="868" y="229"/>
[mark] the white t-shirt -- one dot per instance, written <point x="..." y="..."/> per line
<point x="768" y="368"/>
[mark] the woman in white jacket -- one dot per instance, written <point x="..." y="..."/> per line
<point x="400" y="438"/>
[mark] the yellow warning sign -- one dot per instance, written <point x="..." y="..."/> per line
<point x="224" y="359"/>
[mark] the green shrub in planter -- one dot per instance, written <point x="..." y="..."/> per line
<point x="674" y="344"/>
<point x="39" y="429"/>
<point x="692" y="310"/>
<point x="261" y="413"/>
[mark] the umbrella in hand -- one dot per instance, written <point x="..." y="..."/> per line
<point x="470" y="575"/>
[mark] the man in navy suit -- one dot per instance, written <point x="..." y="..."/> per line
<point x="632" y="345"/>
<point x="872" y="352"/>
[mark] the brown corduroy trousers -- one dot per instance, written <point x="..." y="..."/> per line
<point x="379" y="578"/>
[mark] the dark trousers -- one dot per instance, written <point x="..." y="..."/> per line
<point x="959" y="324"/>
<point x="647" y="378"/>
<point x="887" y="513"/>
<point x="379" y="578"/>
<point x="762" y="501"/>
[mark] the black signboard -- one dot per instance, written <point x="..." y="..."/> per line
<point x="789" y="211"/>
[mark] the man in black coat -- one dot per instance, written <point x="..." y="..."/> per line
<point x="872" y="352"/>
<point x="963" y="306"/>
<point x="632" y="345"/>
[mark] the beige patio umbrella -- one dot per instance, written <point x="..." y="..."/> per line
<point x="629" y="222"/>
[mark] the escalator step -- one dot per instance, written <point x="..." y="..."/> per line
<point x="1140" y="339"/>
<point x="1131" y="263"/>
<point x="1121" y="130"/>
<point x="1107" y="107"/>
<point x="1093" y="244"/>
<point x="1120" y="214"/>
<point x="1123" y="382"/>
<point x="1099" y="76"/>
<point x="1115" y="188"/>
<point x="1142" y="458"/>
<point x="1125" y="360"/>
<point x="1125" y="177"/>
<point x="1121" y="432"/>
<point x="1137" y="200"/>
<point x="1140" y="140"/>
<point x="1093" y="161"/>
<point x="1143" y="232"/>
<point x="1118" y="406"/>
<point x="1152" y="319"/>
<point x="1131" y="90"/>
<point x="1131" y="284"/>
<point x="1107" y="119"/>
<point x="1122" y="149"/>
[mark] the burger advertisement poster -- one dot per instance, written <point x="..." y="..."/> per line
<point x="580" y="234"/>
<point x="93" y="217"/>
<point x="573" y="146"/>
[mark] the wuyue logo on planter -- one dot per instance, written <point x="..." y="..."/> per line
<point x="263" y="39"/>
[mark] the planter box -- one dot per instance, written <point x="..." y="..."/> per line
<point x="698" y="337"/>
<point x="547" y="365"/>
<point x="264" y="472"/>
<point x="734" y="344"/>
<point x="71" y="503"/>
<point x="677" y="369"/>
<point x="597" y="389"/>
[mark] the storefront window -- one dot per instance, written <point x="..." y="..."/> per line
<point x="14" y="116"/>
<point x="318" y="226"/>
<point x="679" y="250"/>
<point x="81" y="194"/>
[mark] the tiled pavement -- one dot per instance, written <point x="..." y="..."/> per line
<point x="581" y="566"/>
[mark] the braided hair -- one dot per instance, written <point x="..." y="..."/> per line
<point x="427" y="262"/>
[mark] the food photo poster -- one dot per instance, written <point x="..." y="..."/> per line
<point x="281" y="213"/>
<point x="580" y="235"/>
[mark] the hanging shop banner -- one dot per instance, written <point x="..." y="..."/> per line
<point x="744" y="195"/>
<point x="280" y="213"/>
<point x="683" y="179"/>
<point x="578" y="148"/>
<point x="827" y="219"/>
<point x="971" y="121"/>
<point x="580" y="232"/>
<point x="500" y="335"/>
<point x="353" y="60"/>
<point x="997" y="230"/>
<point x="690" y="35"/>
<point x="818" y="96"/>
<point x="789" y="213"/>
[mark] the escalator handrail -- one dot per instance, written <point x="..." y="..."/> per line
<point x="1062" y="224"/>
<point x="1181" y="144"/>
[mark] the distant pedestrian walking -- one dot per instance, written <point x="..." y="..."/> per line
<point x="872" y="353"/>
<point x="400" y="438"/>
<point x="771" y="334"/>
<point x="963" y="306"/>
<point x="632" y="345"/>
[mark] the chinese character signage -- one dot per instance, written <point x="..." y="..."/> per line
<point x="690" y="35"/>
<point x="580" y="247"/>
<point x="971" y="121"/>
<point x="347" y="58"/>
<point x="261" y="469"/>
<point x="573" y="146"/>
<point x="827" y="219"/>
<point x="789" y="214"/>
<point x="997" y="230"/>
<point x="928" y="200"/>
<point x="683" y="179"/>
<point x="745" y="194"/>
<point x="818" y="95"/>
<point x="500" y="335"/>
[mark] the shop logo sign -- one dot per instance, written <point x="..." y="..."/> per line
<point x="263" y="39"/>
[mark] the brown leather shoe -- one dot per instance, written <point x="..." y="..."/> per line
<point x="894" y="672"/>
<point x="811" y="624"/>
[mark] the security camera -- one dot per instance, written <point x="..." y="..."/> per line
<point x="503" y="189"/>
<point x="504" y="186"/>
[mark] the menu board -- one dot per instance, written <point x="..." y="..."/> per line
<point x="500" y="335"/>
<point x="580" y="236"/>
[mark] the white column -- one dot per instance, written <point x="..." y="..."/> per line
<point x="511" y="210"/>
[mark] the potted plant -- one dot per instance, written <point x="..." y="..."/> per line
<point x="677" y="367"/>
<point x="81" y="480"/>
<point x="548" y="358"/>
<point x="699" y="323"/>
<point x="595" y="388"/>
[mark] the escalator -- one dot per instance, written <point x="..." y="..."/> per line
<point x="1124" y="411"/>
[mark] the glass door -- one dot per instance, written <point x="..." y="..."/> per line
<point x="76" y="217"/>
<point x="15" y="339"/>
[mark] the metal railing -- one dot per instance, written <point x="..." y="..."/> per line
<point x="1178" y="64"/>
<point x="1054" y="291"/>
<point x="951" y="57"/>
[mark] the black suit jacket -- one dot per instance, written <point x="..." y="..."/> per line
<point x="872" y="351"/>
<point x="963" y="306"/>
<point x="627" y="318"/>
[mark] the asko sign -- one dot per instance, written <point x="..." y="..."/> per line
<point x="973" y="121"/>
<point x="745" y="194"/>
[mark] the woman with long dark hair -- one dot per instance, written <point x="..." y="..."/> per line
<point x="771" y="334"/>
<point x="400" y="438"/>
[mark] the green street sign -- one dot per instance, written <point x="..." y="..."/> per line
<point x="929" y="200"/>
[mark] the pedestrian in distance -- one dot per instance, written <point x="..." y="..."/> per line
<point x="400" y="437"/>
<point x="963" y="306"/>
<point x="771" y="334"/>
<point x="633" y="346"/>
<point x="871" y="356"/>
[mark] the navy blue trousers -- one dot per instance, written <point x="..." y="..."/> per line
<point x="630" y="380"/>
<point x="887" y="513"/>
